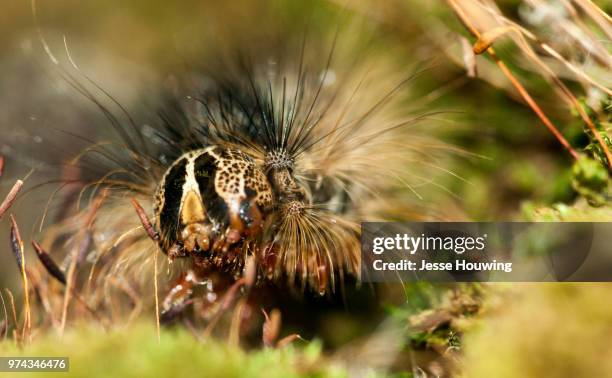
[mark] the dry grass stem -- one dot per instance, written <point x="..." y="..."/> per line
<point x="18" y="251"/>
<point x="519" y="87"/>
<point x="10" y="197"/>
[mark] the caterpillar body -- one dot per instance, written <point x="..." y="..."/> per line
<point x="270" y="156"/>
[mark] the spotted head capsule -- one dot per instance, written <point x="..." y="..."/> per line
<point x="210" y="201"/>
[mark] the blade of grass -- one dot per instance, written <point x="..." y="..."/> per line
<point x="55" y="271"/>
<point x="485" y="40"/>
<point x="156" y="289"/>
<point x="146" y="223"/>
<point x="519" y="87"/>
<point x="18" y="251"/>
<point x="14" y="311"/>
<point x="6" y="316"/>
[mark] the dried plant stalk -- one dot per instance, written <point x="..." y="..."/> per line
<point x="486" y="39"/>
<point x="146" y="224"/>
<point x="156" y="293"/>
<point x="288" y="340"/>
<point x="519" y="87"/>
<point x="6" y="317"/>
<point x="234" y="331"/>
<point x="10" y="197"/>
<point x="14" y="310"/>
<point x="85" y="238"/>
<point x="55" y="271"/>
<point x="50" y="265"/>
<point x="18" y="251"/>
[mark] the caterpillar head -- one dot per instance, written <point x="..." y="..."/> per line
<point x="220" y="204"/>
<point x="211" y="201"/>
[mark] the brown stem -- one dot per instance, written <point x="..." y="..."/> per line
<point x="519" y="87"/>
<point x="10" y="197"/>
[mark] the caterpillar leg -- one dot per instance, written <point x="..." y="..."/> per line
<point x="178" y="298"/>
<point x="184" y="292"/>
<point x="210" y="291"/>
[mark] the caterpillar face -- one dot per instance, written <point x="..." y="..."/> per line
<point x="211" y="201"/>
<point x="214" y="203"/>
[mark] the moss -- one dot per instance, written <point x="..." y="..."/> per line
<point x="591" y="180"/>
<point x="549" y="330"/>
<point x="581" y="211"/>
<point x="135" y="352"/>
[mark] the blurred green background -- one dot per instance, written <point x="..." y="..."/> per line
<point x="509" y="168"/>
<point x="509" y="158"/>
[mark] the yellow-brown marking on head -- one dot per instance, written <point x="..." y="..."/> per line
<point x="192" y="209"/>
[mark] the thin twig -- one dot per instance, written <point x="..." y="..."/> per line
<point x="519" y="87"/>
<point x="156" y="287"/>
<point x="534" y="106"/>
<point x="12" y="300"/>
<point x="125" y="287"/>
<point x="485" y="41"/>
<point x="54" y="270"/>
<point x="288" y="340"/>
<point x="84" y="239"/>
<point x="234" y="332"/>
<point x="18" y="250"/>
<point x="69" y="284"/>
<point x="10" y="197"/>
<point x="40" y="290"/>
<point x="6" y="318"/>
<point x="155" y="237"/>
<point x="598" y="15"/>
<point x="3" y="328"/>
<point x="95" y="207"/>
<point x="89" y="309"/>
